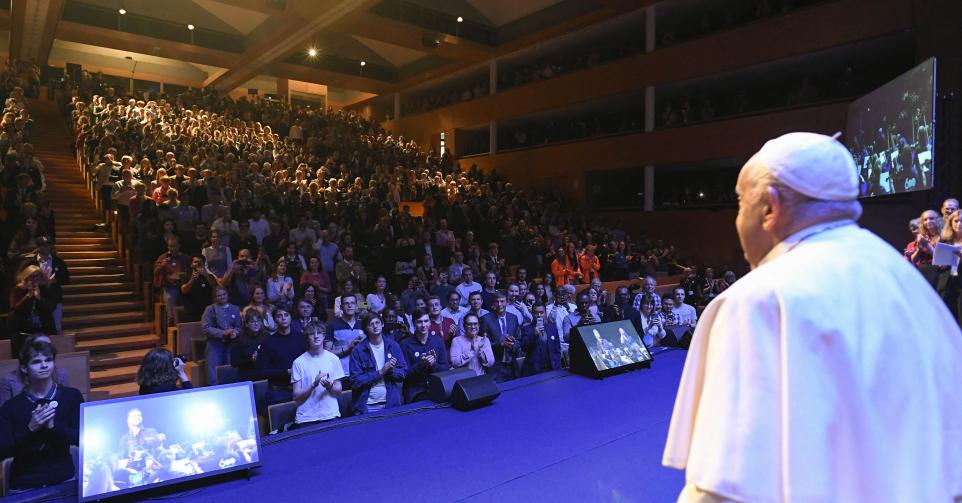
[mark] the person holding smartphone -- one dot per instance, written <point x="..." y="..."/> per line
<point x="425" y="353"/>
<point x="541" y="343"/>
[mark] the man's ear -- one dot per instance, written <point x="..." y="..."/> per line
<point x="772" y="209"/>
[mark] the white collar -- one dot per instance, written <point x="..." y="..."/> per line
<point x="790" y="242"/>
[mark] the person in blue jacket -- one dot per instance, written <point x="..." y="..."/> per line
<point x="378" y="369"/>
<point x="541" y="344"/>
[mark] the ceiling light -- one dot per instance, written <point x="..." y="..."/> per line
<point x="190" y="27"/>
<point x="363" y="63"/>
<point x="460" y="19"/>
<point x="312" y="52"/>
<point x="122" y="11"/>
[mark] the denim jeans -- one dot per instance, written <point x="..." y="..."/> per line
<point x="218" y="353"/>
<point x="171" y="294"/>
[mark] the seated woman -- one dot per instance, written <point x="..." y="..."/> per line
<point x="38" y="426"/>
<point x="652" y="324"/>
<point x="259" y="304"/>
<point x="244" y="351"/>
<point x="11" y="384"/>
<point x="471" y="350"/>
<point x="160" y="371"/>
<point x="378" y="369"/>
<point x="32" y="304"/>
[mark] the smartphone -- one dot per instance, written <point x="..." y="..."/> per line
<point x="540" y="323"/>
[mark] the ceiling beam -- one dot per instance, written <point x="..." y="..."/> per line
<point x="406" y="35"/>
<point x="33" y="28"/>
<point x="318" y="75"/>
<point x="262" y="6"/>
<point x="54" y="11"/>
<point x="281" y="35"/>
<point x="123" y="41"/>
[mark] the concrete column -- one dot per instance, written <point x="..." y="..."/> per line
<point x="284" y="90"/>
<point x="650" y="31"/>
<point x="493" y="77"/>
<point x="649" y="188"/>
<point x="397" y="106"/>
<point x="493" y="138"/>
<point x="649" y="109"/>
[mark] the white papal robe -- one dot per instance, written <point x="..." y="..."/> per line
<point x="830" y="373"/>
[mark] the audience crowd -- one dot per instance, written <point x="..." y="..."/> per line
<point x="304" y="235"/>
<point x="302" y="265"/>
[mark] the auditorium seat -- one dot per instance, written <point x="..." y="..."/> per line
<point x="6" y="349"/>
<point x="225" y="374"/>
<point x="181" y="339"/>
<point x="280" y="415"/>
<point x="344" y="403"/>
<point x="77" y="367"/>
<point x="5" y="466"/>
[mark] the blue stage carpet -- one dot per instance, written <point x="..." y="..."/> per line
<point x="553" y="437"/>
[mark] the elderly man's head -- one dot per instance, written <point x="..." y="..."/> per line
<point x="793" y="182"/>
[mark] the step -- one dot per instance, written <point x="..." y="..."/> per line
<point x="89" y="254"/>
<point x="117" y="358"/>
<point x="117" y="343"/>
<point x="116" y="375"/>
<point x="101" y="319"/>
<point x="90" y="262"/>
<point x="98" y="287"/>
<point x="90" y="297"/>
<point x="116" y="390"/>
<point x="113" y="330"/>
<point x="67" y="239"/>
<point x="95" y="270"/>
<point x="84" y="247"/>
<point x="71" y="235"/>
<point x="97" y="279"/>
<point x="82" y="310"/>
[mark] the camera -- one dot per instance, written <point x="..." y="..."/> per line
<point x="182" y="358"/>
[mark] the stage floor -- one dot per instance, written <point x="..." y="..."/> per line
<point x="551" y="437"/>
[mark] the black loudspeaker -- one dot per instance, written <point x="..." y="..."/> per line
<point x="441" y="384"/>
<point x="474" y="392"/>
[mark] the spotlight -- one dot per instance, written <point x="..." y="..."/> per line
<point x="190" y="27"/>
<point x="460" y="19"/>
<point x="363" y="63"/>
<point x="312" y="52"/>
<point x="122" y="11"/>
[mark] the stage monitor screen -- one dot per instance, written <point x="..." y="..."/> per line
<point x="891" y="133"/>
<point x="602" y="349"/>
<point x="133" y="444"/>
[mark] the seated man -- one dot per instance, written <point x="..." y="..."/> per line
<point x="276" y="357"/>
<point x="316" y="376"/>
<point x="38" y="426"/>
<point x="11" y="384"/>
<point x="684" y="313"/>
<point x="378" y="368"/>
<point x="426" y="354"/>
<point x="541" y="344"/>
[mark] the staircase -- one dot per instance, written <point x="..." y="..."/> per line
<point x="102" y="308"/>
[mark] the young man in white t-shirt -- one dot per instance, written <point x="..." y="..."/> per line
<point x="315" y="376"/>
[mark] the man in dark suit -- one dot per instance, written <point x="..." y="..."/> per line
<point x="622" y="309"/>
<point x="541" y="344"/>
<point x="504" y="331"/>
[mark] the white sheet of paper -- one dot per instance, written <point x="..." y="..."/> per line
<point x="945" y="255"/>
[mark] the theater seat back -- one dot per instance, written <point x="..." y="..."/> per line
<point x="280" y="415"/>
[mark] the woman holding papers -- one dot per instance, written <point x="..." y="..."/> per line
<point x="949" y="285"/>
